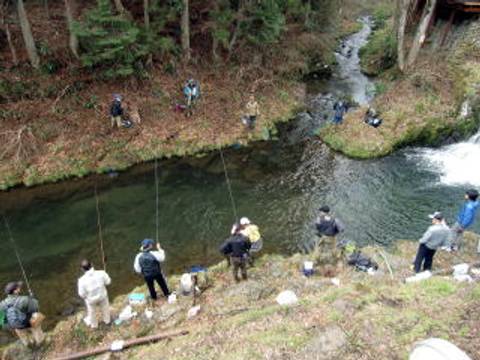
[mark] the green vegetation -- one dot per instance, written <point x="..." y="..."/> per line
<point x="110" y="41"/>
<point x="380" y="53"/>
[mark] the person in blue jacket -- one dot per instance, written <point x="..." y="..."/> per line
<point x="465" y="217"/>
<point x="340" y="108"/>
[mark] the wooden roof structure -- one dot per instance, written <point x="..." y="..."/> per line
<point x="470" y="6"/>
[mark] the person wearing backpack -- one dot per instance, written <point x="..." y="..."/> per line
<point x="92" y="288"/>
<point x="22" y="316"/>
<point x="326" y="251"/>
<point x="147" y="263"/>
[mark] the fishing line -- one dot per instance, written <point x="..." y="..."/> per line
<point x="227" y="179"/>
<point x="12" y="241"/>
<point x="99" y="227"/>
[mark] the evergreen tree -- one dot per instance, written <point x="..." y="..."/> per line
<point x="156" y="37"/>
<point x="266" y="22"/>
<point x="109" y="41"/>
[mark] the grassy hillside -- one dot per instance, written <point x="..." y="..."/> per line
<point x="364" y="317"/>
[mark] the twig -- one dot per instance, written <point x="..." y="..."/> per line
<point x="62" y="94"/>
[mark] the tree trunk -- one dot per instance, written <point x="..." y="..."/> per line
<point x="146" y="14"/>
<point x="47" y="9"/>
<point x="234" y="37"/>
<point x="185" y="25"/>
<point x="119" y="6"/>
<point x="5" y="25"/>
<point x="13" y="51"/>
<point x="70" y="7"/>
<point x="27" y="35"/>
<point x="307" y="13"/>
<point x="214" y="38"/>
<point x="121" y="9"/>
<point x="403" y="6"/>
<point x="420" y="35"/>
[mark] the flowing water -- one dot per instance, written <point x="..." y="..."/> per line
<point x="278" y="184"/>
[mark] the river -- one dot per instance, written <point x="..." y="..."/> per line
<point x="278" y="184"/>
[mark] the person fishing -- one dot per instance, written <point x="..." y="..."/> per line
<point x="116" y="111"/>
<point x="237" y="247"/>
<point x="437" y="235"/>
<point x="147" y="263"/>
<point x="465" y="218"/>
<point x="92" y="288"/>
<point x="252" y="112"/>
<point x="252" y="233"/>
<point x="326" y="251"/>
<point x="22" y="315"/>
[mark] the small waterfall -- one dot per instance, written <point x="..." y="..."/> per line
<point x="457" y="164"/>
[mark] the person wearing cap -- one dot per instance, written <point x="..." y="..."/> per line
<point x="465" y="218"/>
<point x="116" y="111"/>
<point x="437" y="235"/>
<point x="252" y="233"/>
<point x="147" y="263"/>
<point x="92" y="288"/>
<point x="22" y="314"/>
<point x="326" y="251"/>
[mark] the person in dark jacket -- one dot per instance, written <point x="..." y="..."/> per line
<point x="21" y="312"/>
<point x="147" y="263"/>
<point x="116" y="111"/>
<point x="436" y="236"/>
<point x="326" y="251"/>
<point x="237" y="248"/>
<point x="465" y="218"/>
<point x="340" y="108"/>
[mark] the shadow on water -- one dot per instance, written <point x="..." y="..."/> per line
<point x="278" y="184"/>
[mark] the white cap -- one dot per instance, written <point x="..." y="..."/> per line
<point x="244" y="221"/>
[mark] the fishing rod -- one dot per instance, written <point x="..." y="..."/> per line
<point x="157" y="221"/>
<point x="12" y="241"/>
<point x="99" y="227"/>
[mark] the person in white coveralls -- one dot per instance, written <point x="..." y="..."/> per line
<point x="92" y="287"/>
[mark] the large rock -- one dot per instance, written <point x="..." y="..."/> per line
<point x="326" y="345"/>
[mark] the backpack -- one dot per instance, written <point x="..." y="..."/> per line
<point x="3" y="321"/>
<point x="149" y="264"/>
<point x="16" y="318"/>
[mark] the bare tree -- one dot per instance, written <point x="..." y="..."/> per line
<point x="27" y="35"/>
<point x="70" y="7"/>
<point x="4" y="23"/>
<point x="402" y="6"/>
<point x="146" y="14"/>
<point x="420" y="35"/>
<point x="185" y="25"/>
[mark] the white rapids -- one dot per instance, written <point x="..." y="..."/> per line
<point x="456" y="164"/>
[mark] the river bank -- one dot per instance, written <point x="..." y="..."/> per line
<point x="436" y="101"/>
<point x="364" y="316"/>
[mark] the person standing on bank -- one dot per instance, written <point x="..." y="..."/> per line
<point x="237" y="248"/>
<point x="252" y="112"/>
<point x="116" y="111"/>
<point x="147" y="263"/>
<point x="92" y="288"/>
<point x="465" y="218"/>
<point x="437" y="235"/>
<point x="326" y="251"/>
<point x="22" y="315"/>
